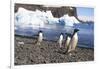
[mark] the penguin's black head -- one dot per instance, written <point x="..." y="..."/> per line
<point x="68" y="34"/>
<point x="76" y="30"/>
<point x="40" y="31"/>
<point x="61" y="34"/>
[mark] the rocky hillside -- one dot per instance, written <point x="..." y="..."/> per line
<point x="56" y="11"/>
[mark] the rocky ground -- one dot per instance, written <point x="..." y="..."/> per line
<point x="47" y="52"/>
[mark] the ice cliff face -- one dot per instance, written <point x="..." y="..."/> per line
<point x="26" y="18"/>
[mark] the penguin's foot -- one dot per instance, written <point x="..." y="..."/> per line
<point x="70" y="54"/>
<point x="61" y="46"/>
<point x="71" y="51"/>
<point x="38" y="43"/>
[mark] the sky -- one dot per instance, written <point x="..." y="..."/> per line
<point x="85" y="13"/>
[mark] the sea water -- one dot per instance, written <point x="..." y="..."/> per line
<point x="52" y="33"/>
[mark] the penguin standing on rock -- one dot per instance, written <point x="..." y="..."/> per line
<point x="40" y="38"/>
<point x="74" y="41"/>
<point x="60" y="41"/>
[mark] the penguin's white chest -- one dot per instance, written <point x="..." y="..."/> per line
<point x="68" y="41"/>
<point x="60" y="38"/>
<point x="40" y="37"/>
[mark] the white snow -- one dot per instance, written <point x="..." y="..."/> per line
<point x="21" y="43"/>
<point x="26" y="18"/>
<point x="86" y="18"/>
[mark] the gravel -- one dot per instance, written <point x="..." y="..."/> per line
<point x="28" y="53"/>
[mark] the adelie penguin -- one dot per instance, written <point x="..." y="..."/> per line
<point x="40" y="37"/>
<point x="60" y="41"/>
<point x="74" y="40"/>
<point x="67" y="40"/>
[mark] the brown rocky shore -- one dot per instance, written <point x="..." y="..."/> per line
<point x="28" y="52"/>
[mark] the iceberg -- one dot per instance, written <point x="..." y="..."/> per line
<point x="68" y="20"/>
<point x="25" y="18"/>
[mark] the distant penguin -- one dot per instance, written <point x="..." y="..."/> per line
<point x="67" y="40"/>
<point x="40" y="37"/>
<point x="60" y="41"/>
<point x="74" y="41"/>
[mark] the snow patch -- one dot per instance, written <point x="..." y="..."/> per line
<point x="86" y="18"/>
